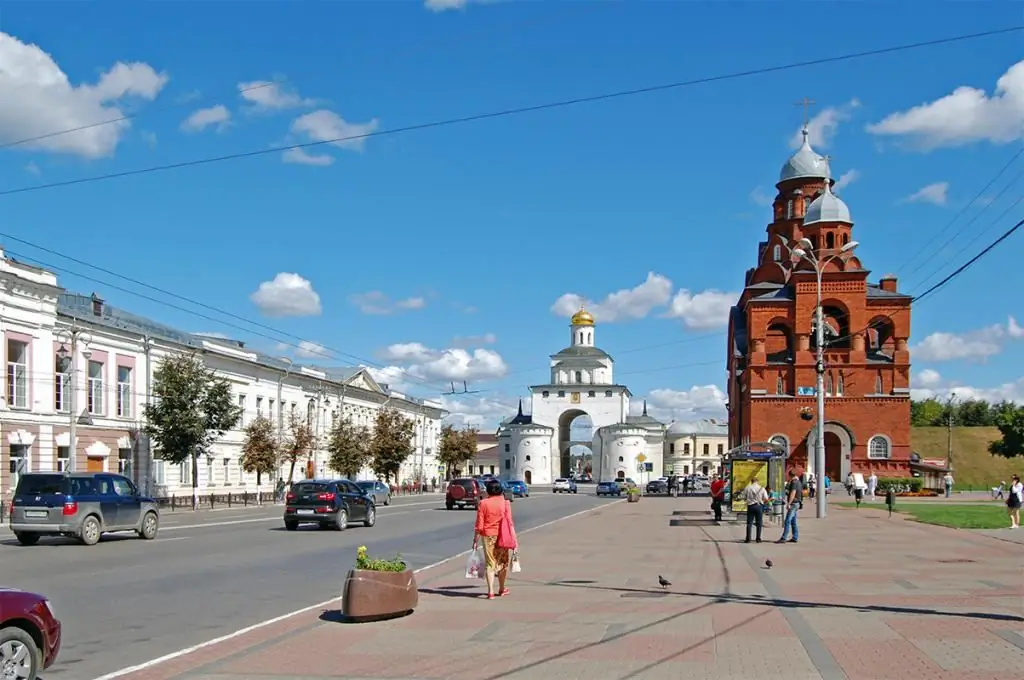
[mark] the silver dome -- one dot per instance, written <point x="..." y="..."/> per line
<point x="827" y="208"/>
<point x="805" y="163"/>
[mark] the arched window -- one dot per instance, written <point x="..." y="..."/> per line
<point x="846" y="239"/>
<point x="311" y="411"/>
<point x="780" y="385"/>
<point x="620" y="459"/>
<point x="807" y="203"/>
<point x="841" y="387"/>
<point x="780" y="441"/>
<point x="878" y="447"/>
<point x="879" y="384"/>
<point x="789" y="209"/>
<point x="590" y="337"/>
<point x="828" y="384"/>
<point x="830" y="240"/>
<point x="777" y="253"/>
<point x="579" y="376"/>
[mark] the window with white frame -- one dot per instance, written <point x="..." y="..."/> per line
<point x="227" y="472"/>
<point x="63" y="458"/>
<point x="840" y="386"/>
<point x="17" y="374"/>
<point x="310" y="412"/>
<point x="777" y="253"/>
<point x="159" y="472"/>
<point x="270" y="411"/>
<point x="124" y="392"/>
<point x="124" y="462"/>
<point x="209" y="471"/>
<point x="241" y="473"/>
<point x="259" y="407"/>
<point x="828" y="385"/>
<point x="241" y="407"/>
<point x="185" y="472"/>
<point x="878" y="447"/>
<point x="879" y="385"/>
<point x="61" y="384"/>
<point x="18" y="463"/>
<point x="95" y="391"/>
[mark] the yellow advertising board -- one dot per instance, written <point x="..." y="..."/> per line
<point x="743" y="472"/>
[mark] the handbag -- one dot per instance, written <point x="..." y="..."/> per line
<point x="506" y="531"/>
<point x="516" y="567"/>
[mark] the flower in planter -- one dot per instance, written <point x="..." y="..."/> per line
<point x="367" y="563"/>
<point x="806" y="413"/>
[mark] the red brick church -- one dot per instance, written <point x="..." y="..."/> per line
<point x="772" y="348"/>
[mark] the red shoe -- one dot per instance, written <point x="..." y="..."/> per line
<point x="503" y="592"/>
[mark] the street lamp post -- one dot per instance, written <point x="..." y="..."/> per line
<point x="804" y="250"/>
<point x="280" y="407"/>
<point x="69" y="359"/>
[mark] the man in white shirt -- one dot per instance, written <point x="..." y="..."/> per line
<point x="872" y="485"/>
<point x="755" y="496"/>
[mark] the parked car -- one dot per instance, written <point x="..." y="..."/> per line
<point x="83" y="505"/>
<point x="377" y="490"/>
<point x="609" y="489"/>
<point x="29" y="634"/>
<point x="563" y="485"/>
<point x="331" y="503"/>
<point x="656" y="486"/>
<point x="464" y="492"/>
<point x="519" y="488"/>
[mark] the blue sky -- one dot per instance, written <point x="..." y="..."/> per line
<point x="444" y="254"/>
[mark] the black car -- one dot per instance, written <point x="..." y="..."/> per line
<point x="331" y="503"/>
<point x="657" y="486"/>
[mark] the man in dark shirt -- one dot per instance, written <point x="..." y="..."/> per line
<point x="794" y="495"/>
<point x="717" y="496"/>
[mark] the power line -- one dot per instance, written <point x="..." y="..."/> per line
<point x="518" y="110"/>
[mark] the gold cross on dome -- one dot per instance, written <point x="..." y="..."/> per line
<point x="807" y="104"/>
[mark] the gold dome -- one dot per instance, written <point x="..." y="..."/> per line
<point x="582" y="318"/>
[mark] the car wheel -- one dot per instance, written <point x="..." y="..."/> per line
<point x="90" y="531"/>
<point x="448" y="506"/>
<point x="387" y="501"/>
<point x="19" y="656"/>
<point x="150" y="525"/>
<point x="342" y="522"/>
<point x="371" y="517"/>
<point x="291" y="526"/>
<point x="574" y="490"/>
<point x="26" y="538"/>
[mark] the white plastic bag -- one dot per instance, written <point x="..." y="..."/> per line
<point x="476" y="565"/>
<point x="516" y="568"/>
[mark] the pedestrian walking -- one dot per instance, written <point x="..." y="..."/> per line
<point x="872" y="485"/>
<point x="794" y="495"/>
<point x="717" y="496"/>
<point x="947" y="481"/>
<point x="756" y="497"/>
<point x="1015" y="499"/>
<point x="491" y="513"/>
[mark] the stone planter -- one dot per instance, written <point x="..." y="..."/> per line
<point x="377" y="595"/>
<point x="633" y="498"/>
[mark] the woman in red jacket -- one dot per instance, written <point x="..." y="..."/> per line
<point x="489" y="514"/>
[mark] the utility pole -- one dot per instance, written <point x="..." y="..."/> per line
<point x="423" y="444"/>
<point x="73" y="336"/>
<point x="147" y="347"/>
<point x="280" y="408"/>
<point x="949" y="430"/>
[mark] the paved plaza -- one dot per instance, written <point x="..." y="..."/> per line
<point x="862" y="596"/>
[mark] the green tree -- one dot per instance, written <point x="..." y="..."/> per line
<point x="298" y="443"/>
<point x="259" y="450"/>
<point x="391" y="443"/>
<point x="348" y="448"/>
<point x="456" y="448"/>
<point x="927" y="413"/>
<point x="191" y="409"/>
<point x="1011" y="426"/>
<point x="973" y="413"/>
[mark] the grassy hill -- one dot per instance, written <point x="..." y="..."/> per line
<point x="973" y="466"/>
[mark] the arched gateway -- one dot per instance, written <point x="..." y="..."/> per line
<point x="538" y="446"/>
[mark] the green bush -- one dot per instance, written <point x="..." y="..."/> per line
<point x="914" y="483"/>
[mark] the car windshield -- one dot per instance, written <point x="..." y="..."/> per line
<point x="41" y="485"/>
<point x="309" y="487"/>
<point x="561" y="481"/>
<point x="365" y="486"/>
<point x="468" y="483"/>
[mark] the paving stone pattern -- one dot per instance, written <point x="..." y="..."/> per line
<point x="862" y="596"/>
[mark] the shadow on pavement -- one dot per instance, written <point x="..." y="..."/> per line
<point x="455" y="591"/>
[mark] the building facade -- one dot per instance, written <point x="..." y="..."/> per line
<point x="536" y="447"/>
<point x="772" y="340"/>
<point x="696" y="448"/>
<point x="71" y="355"/>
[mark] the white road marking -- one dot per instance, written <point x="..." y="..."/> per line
<point x="320" y="605"/>
<point x="277" y="518"/>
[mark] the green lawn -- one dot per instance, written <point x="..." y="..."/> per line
<point x="955" y="515"/>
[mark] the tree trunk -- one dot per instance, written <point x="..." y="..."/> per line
<point x="195" y="482"/>
<point x="291" y="472"/>
<point x="259" y="493"/>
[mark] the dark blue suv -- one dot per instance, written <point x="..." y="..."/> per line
<point x="83" y="505"/>
<point x="330" y="503"/>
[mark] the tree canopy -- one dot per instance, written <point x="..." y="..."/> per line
<point x="966" y="413"/>
<point x="456" y="448"/>
<point x="191" y="409"/>
<point x="259" y="450"/>
<point x="348" y="448"/>
<point x="391" y="443"/>
<point x="1010" y="422"/>
<point x="297" y="443"/>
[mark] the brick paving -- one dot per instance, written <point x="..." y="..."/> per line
<point x="862" y="596"/>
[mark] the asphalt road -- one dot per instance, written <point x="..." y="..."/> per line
<point x="126" y="601"/>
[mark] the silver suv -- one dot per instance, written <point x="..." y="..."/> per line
<point x="83" y="505"/>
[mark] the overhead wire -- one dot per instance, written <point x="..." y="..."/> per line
<point x="516" y="111"/>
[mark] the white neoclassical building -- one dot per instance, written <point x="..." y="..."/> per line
<point x="536" y="447"/>
<point x="70" y="355"/>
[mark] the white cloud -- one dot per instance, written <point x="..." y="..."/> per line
<point x="474" y="340"/>
<point x="976" y="345"/>
<point x="378" y="303"/>
<point x="846" y="179"/>
<point x="445" y="5"/>
<point x="307" y="349"/>
<point x="936" y="194"/>
<point x="302" y="157"/>
<point x="287" y="295"/>
<point x="39" y="99"/>
<point x="822" y="128"/>
<point x="327" y="126"/>
<point x="266" y="95"/>
<point x="413" y="362"/>
<point x="203" y="118"/>
<point x="480" y="412"/>
<point x="213" y="334"/>
<point x="698" y="402"/>
<point x="704" y="310"/>
<point x="32" y="169"/>
<point x="933" y="386"/>
<point x="964" y="116"/>
<point x="623" y="305"/>
<point x="761" y="197"/>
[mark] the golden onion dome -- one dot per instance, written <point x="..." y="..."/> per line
<point x="582" y="318"/>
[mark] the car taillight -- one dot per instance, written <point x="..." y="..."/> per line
<point x="70" y="508"/>
<point x="290" y="496"/>
<point x="325" y="497"/>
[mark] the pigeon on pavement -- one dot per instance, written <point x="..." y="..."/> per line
<point x="768" y="564"/>
<point x="663" y="582"/>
